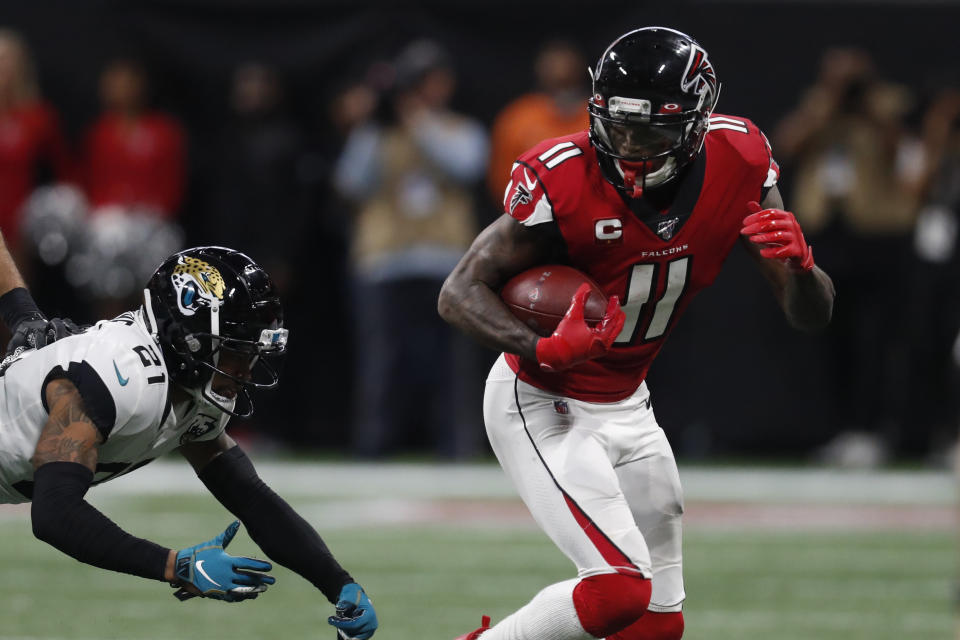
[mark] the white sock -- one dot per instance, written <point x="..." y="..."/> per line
<point x="551" y="615"/>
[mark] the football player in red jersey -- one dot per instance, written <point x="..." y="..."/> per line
<point x="648" y="202"/>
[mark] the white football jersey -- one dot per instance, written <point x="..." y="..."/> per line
<point x="119" y="370"/>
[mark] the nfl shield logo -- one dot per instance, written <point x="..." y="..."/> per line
<point x="561" y="407"/>
<point x="666" y="228"/>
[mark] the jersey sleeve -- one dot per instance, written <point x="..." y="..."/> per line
<point x="121" y="380"/>
<point x="773" y="169"/>
<point x="529" y="197"/>
<point x="747" y="144"/>
<point x="526" y="197"/>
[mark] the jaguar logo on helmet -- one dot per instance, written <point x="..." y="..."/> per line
<point x="197" y="284"/>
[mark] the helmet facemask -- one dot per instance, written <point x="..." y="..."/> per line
<point x="235" y="368"/>
<point x="646" y="151"/>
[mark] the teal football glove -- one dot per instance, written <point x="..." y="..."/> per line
<point x="209" y="570"/>
<point x="355" y="618"/>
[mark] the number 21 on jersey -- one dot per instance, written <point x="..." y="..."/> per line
<point x="646" y="322"/>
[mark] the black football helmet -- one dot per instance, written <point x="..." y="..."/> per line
<point x="653" y="92"/>
<point x="206" y="301"/>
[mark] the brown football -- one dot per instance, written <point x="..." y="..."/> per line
<point x="541" y="296"/>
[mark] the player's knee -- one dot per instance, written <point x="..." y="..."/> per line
<point x="666" y="496"/>
<point x="672" y="506"/>
<point x="610" y="602"/>
<point x="671" y="625"/>
<point x="662" y="626"/>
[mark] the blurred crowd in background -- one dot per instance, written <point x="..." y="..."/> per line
<point x="361" y="210"/>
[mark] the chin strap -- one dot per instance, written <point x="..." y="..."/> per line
<point x="215" y="317"/>
<point x="148" y="312"/>
<point x="630" y="185"/>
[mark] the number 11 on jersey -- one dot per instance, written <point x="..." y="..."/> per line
<point x="641" y="287"/>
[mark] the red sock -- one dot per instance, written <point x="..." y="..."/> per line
<point x="610" y="602"/>
<point x="653" y="626"/>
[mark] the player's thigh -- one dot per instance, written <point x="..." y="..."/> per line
<point x="564" y="475"/>
<point x="651" y="484"/>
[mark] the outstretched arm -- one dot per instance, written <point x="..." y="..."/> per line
<point x="278" y="530"/>
<point x="64" y="462"/>
<point x="774" y="239"/>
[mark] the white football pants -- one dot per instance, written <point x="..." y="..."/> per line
<point x="599" y="478"/>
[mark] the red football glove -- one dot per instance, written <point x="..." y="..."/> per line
<point x="780" y="230"/>
<point x="573" y="341"/>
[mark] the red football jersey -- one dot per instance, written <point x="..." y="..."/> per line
<point x="29" y="136"/>
<point x="136" y="163"/>
<point x="655" y="267"/>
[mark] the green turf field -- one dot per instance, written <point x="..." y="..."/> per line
<point x="431" y="575"/>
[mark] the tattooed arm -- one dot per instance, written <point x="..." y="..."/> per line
<point x="69" y="435"/>
<point x="64" y="462"/>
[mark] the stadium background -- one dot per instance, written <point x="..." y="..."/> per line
<point x="716" y="391"/>
<point x="771" y="551"/>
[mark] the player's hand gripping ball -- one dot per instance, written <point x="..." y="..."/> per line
<point x="567" y="308"/>
<point x="541" y="296"/>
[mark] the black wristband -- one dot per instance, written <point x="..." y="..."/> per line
<point x="63" y="519"/>
<point x="284" y="536"/>
<point x="18" y="305"/>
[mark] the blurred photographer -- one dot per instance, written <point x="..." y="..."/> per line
<point x="410" y="172"/>
<point x="859" y="178"/>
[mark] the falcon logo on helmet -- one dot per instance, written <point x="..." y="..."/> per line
<point x="699" y="76"/>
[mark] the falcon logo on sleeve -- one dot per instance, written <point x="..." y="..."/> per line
<point x="521" y="195"/>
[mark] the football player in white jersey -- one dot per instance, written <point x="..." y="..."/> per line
<point x="89" y="407"/>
